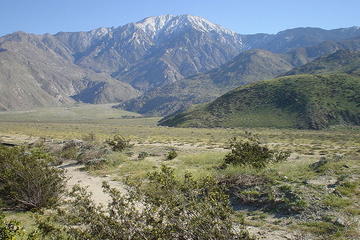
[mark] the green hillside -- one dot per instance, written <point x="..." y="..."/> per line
<point x="299" y="101"/>
<point x="341" y="61"/>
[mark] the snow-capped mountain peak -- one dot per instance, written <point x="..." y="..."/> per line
<point x="170" y="24"/>
<point x="153" y="24"/>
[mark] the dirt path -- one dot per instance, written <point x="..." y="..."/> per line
<point x="92" y="183"/>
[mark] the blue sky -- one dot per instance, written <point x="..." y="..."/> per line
<point x="251" y="16"/>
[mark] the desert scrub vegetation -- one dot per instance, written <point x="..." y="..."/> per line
<point x="27" y="179"/>
<point x="107" y="163"/>
<point x="250" y="152"/>
<point x="264" y="192"/>
<point x="171" y="154"/>
<point x="119" y="143"/>
<point x="162" y="207"/>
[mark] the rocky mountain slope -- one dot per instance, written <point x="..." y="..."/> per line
<point x="156" y="50"/>
<point x="341" y="61"/>
<point x="312" y="101"/>
<point x="248" y="67"/>
<point x="108" y="64"/>
<point x="35" y="73"/>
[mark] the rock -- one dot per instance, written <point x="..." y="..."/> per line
<point x="340" y="222"/>
<point x="316" y="165"/>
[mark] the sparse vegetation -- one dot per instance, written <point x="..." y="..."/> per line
<point x="298" y="190"/>
<point x="90" y="137"/>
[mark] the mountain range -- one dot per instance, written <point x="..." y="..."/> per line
<point x="248" y="67"/>
<point x="160" y="64"/>
<point x="317" y="95"/>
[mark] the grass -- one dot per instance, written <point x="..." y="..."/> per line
<point x="334" y="201"/>
<point x="74" y="113"/>
<point x="199" y="165"/>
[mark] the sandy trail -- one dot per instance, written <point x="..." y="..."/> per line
<point x="93" y="183"/>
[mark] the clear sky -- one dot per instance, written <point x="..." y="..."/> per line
<point x="250" y="16"/>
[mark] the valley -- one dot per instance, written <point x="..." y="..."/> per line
<point x="174" y="127"/>
<point x="201" y="152"/>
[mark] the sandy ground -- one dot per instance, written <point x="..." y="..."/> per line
<point x="93" y="183"/>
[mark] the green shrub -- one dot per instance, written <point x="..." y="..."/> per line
<point x="119" y="143"/>
<point x="162" y="207"/>
<point x="250" y="152"/>
<point x="171" y="155"/>
<point x="27" y="181"/>
<point x="9" y="230"/>
<point x="143" y="155"/>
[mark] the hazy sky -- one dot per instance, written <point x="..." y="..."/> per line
<point x="250" y="16"/>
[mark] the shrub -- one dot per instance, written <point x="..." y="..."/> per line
<point x="143" y="155"/>
<point x="109" y="161"/>
<point x="27" y="181"/>
<point x="264" y="193"/>
<point x="9" y="230"/>
<point x="251" y="152"/>
<point x="69" y="152"/>
<point x="171" y="155"/>
<point x="119" y="143"/>
<point x="162" y="207"/>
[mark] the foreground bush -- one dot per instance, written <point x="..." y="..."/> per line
<point x="162" y="208"/>
<point x="26" y="179"/>
<point x="250" y="152"/>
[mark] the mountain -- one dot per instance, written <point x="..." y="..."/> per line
<point x="247" y="67"/>
<point x="101" y="65"/>
<point x="156" y="50"/>
<point x="119" y="63"/>
<point x="341" y="61"/>
<point x="310" y="101"/>
<point x="38" y="71"/>
<point x="299" y="101"/>
<point x="303" y="55"/>
<point x="290" y="39"/>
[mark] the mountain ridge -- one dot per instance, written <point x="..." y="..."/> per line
<point x="314" y="96"/>
<point x="119" y="63"/>
<point x="249" y="66"/>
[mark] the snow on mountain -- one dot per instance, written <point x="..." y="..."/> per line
<point x="170" y="24"/>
